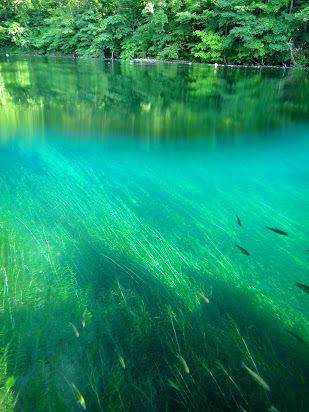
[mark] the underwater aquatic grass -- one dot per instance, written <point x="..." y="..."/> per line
<point x="86" y="243"/>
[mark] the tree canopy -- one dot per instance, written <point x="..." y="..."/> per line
<point x="264" y="32"/>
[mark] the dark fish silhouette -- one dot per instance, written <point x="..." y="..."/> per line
<point x="281" y="232"/>
<point x="296" y="336"/>
<point x="303" y="287"/>
<point x="238" y="220"/>
<point x="244" y="251"/>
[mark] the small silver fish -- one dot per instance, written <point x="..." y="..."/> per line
<point x="257" y="378"/>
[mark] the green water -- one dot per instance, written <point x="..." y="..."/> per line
<point x="119" y="189"/>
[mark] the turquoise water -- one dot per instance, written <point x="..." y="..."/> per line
<point x="120" y="187"/>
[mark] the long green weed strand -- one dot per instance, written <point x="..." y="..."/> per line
<point x="171" y="316"/>
<point x="6" y="292"/>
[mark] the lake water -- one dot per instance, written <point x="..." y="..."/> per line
<point x="125" y="189"/>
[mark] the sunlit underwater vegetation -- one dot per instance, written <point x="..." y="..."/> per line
<point x="100" y="264"/>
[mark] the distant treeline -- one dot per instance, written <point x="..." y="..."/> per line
<point x="265" y="32"/>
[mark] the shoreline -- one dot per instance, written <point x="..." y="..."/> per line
<point x="151" y="60"/>
<point x="145" y="60"/>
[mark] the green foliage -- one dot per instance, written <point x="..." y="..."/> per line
<point x="150" y="38"/>
<point x="5" y="36"/>
<point x="133" y="47"/>
<point x="170" y="51"/>
<point x="210" y="47"/>
<point x="87" y="39"/>
<point x="33" y="33"/>
<point x="116" y="28"/>
<point x="15" y="32"/>
<point x="229" y="31"/>
<point x="60" y="31"/>
<point x="7" y="396"/>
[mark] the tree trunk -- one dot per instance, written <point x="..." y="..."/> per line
<point x="70" y="7"/>
<point x="291" y="51"/>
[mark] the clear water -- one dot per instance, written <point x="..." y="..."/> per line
<point x="119" y="189"/>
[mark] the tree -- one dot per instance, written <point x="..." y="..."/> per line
<point x="230" y="31"/>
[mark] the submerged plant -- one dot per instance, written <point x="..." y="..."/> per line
<point x="96" y="286"/>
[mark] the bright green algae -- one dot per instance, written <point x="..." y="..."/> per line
<point x="120" y="232"/>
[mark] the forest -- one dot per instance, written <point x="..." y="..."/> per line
<point x="254" y="32"/>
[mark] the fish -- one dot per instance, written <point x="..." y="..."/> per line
<point x="121" y="360"/>
<point x="202" y="296"/>
<point x="238" y="220"/>
<point x="303" y="287"/>
<point x="281" y="232"/>
<point x="75" y="330"/>
<point x="272" y="409"/>
<point x="83" y="318"/>
<point x="296" y="337"/>
<point x="79" y="397"/>
<point x="257" y="378"/>
<point x="185" y="365"/>
<point x="244" y="251"/>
